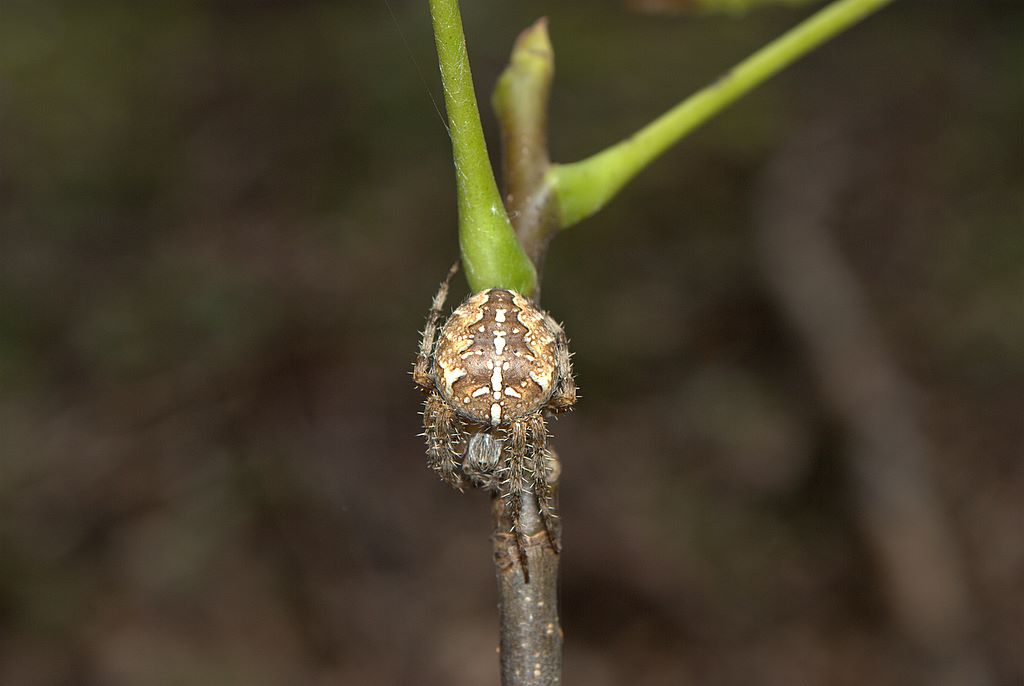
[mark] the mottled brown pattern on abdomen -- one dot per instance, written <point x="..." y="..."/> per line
<point x="495" y="358"/>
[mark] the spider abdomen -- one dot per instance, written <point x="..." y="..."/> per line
<point x="496" y="368"/>
<point x="496" y="358"/>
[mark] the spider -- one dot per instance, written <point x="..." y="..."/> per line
<point x="497" y="367"/>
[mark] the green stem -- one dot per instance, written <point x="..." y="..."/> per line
<point x="584" y="187"/>
<point x="491" y="255"/>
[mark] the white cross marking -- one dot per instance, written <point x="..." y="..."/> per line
<point x="453" y="375"/>
<point x="496" y="378"/>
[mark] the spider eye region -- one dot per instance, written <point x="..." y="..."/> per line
<point x="496" y="358"/>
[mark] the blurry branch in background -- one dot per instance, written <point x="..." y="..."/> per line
<point x="887" y="452"/>
<point x="710" y="6"/>
<point x="582" y="188"/>
<point x="491" y="255"/>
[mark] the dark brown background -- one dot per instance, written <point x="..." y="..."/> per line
<point x="220" y="227"/>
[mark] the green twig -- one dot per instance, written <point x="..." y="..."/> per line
<point x="491" y="255"/>
<point x="584" y="187"/>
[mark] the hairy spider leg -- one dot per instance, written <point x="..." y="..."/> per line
<point x="513" y="486"/>
<point x="442" y="428"/>
<point x="421" y="368"/>
<point x="564" y="396"/>
<point x="543" y="485"/>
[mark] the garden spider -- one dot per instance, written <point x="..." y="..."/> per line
<point x="497" y="367"/>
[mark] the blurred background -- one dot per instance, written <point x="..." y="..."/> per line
<point x="797" y="458"/>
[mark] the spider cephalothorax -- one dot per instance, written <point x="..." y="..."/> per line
<point x="497" y="367"/>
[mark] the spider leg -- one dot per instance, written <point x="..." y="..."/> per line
<point x="421" y="367"/>
<point x="564" y="396"/>
<point x="513" y="486"/>
<point x="544" y="476"/>
<point x="443" y="431"/>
